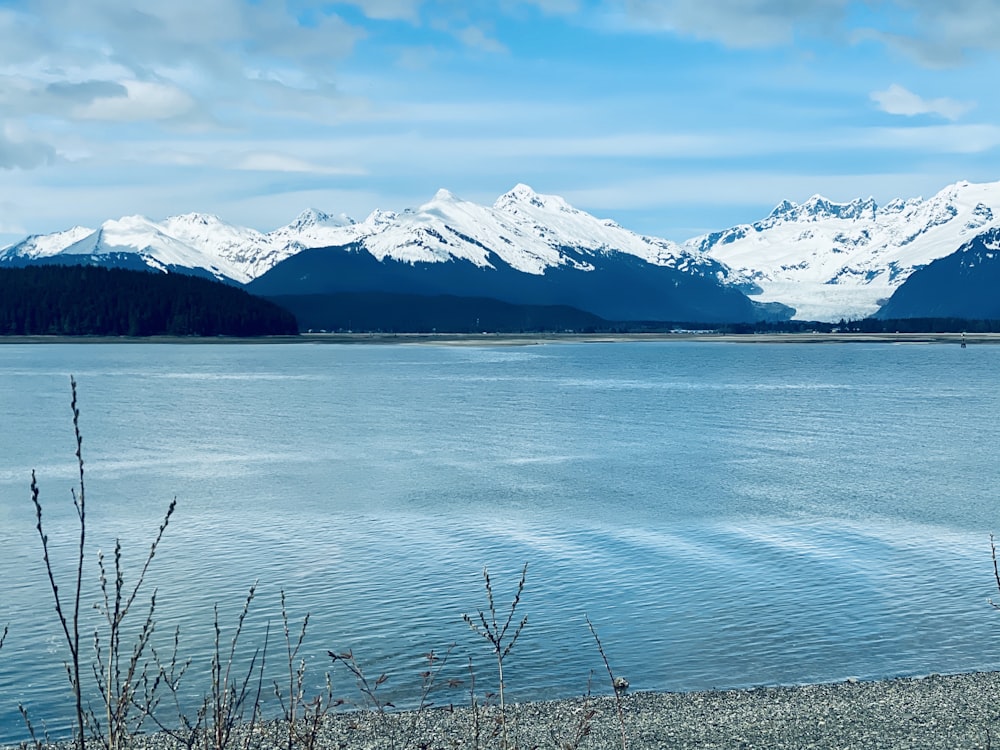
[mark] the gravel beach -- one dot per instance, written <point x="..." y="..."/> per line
<point x="959" y="711"/>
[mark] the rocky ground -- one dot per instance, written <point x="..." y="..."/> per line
<point x="950" y="712"/>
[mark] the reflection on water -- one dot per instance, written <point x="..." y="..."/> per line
<point x="725" y="515"/>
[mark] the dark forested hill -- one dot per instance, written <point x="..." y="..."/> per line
<point x="619" y="286"/>
<point x="92" y="301"/>
<point x="964" y="284"/>
<point x="410" y="313"/>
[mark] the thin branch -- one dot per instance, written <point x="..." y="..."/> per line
<point x="618" y="684"/>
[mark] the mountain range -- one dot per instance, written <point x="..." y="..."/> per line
<point x="819" y="260"/>
<point x="845" y="260"/>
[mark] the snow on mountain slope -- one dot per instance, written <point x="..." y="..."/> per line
<point x="842" y="260"/>
<point x="525" y="230"/>
<point x="558" y="224"/>
<point x="195" y="241"/>
<point x="45" y="245"/>
<point x="312" y="228"/>
<point x="248" y="251"/>
<point x="447" y="228"/>
<point x="827" y="260"/>
<point x="152" y="241"/>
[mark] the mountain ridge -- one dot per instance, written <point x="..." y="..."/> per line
<point x="826" y="260"/>
<point x="843" y="260"/>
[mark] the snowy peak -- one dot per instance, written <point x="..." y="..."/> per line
<point x="783" y="210"/>
<point x="161" y="248"/>
<point x="311" y="228"/>
<point x="826" y="259"/>
<point x="444" y="196"/>
<point x="560" y="225"/>
<point x="196" y="219"/>
<point x="313" y="223"/>
<point x="840" y="260"/>
<point x="519" y="194"/>
<point x="449" y="228"/>
<point x="859" y="209"/>
<point x="444" y="203"/>
<point x="45" y="245"/>
<point x="523" y="229"/>
<point x="380" y="218"/>
<point x="522" y="197"/>
<point x="129" y="233"/>
<point x="819" y="208"/>
<point x="309" y="218"/>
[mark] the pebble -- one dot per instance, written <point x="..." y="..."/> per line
<point x="946" y="712"/>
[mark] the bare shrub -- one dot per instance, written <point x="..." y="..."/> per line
<point x="495" y="634"/>
<point x="116" y="672"/>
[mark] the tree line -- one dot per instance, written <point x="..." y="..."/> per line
<point x="867" y="325"/>
<point x="96" y="301"/>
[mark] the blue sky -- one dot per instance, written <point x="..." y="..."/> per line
<point x="673" y="117"/>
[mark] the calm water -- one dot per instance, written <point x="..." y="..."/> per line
<point x="726" y="514"/>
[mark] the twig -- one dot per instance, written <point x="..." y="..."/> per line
<point x="494" y="634"/>
<point x="70" y="624"/>
<point x="996" y="570"/>
<point x="618" y="684"/>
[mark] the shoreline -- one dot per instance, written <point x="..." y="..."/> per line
<point x="529" y="339"/>
<point x="925" y="713"/>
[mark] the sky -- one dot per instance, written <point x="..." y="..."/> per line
<point x="672" y="117"/>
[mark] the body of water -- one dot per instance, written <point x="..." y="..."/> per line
<point x="727" y="515"/>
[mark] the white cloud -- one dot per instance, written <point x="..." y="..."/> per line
<point x="172" y="58"/>
<point x="253" y="97"/>
<point x="897" y="100"/>
<point x="142" y="101"/>
<point x="275" y="162"/>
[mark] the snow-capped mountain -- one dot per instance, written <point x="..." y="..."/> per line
<point x="526" y="231"/>
<point x="195" y="241"/>
<point x="154" y="243"/>
<point x="311" y="228"/>
<point x="557" y="224"/>
<point x="843" y="260"/>
<point x="823" y="259"/>
<point x="45" y="245"/>
<point x="238" y="253"/>
<point x="526" y="249"/>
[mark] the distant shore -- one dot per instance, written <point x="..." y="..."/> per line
<point x="931" y="713"/>
<point x="525" y="339"/>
